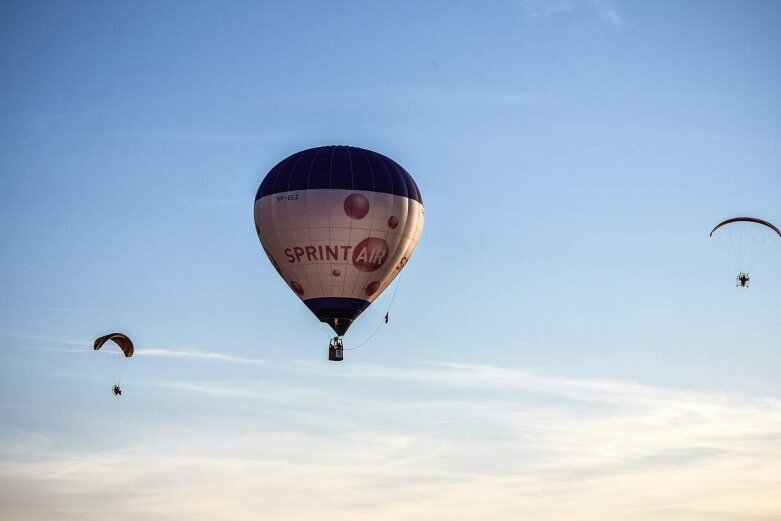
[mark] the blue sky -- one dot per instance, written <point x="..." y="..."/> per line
<point x="566" y="340"/>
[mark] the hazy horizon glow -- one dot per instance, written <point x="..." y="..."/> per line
<point x="459" y="441"/>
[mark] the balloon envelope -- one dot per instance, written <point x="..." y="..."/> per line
<point x="338" y="223"/>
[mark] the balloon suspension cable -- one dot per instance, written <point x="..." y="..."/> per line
<point x="326" y="330"/>
<point x="383" y="321"/>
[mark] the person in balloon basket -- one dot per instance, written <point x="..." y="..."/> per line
<point x="743" y="280"/>
<point x="336" y="350"/>
<point x="117" y="391"/>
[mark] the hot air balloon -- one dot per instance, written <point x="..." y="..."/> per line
<point x="114" y="360"/>
<point x="338" y="223"/>
<point x="747" y="241"/>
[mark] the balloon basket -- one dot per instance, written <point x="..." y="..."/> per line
<point x="336" y="350"/>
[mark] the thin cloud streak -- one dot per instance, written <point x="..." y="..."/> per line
<point x="62" y="309"/>
<point x="199" y="355"/>
<point x="608" y="13"/>
<point x="446" y="96"/>
<point x="535" y="10"/>
<point x="215" y="389"/>
<point x="152" y="352"/>
<point x="195" y="135"/>
<point x="44" y="338"/>
<point x="217" y="202"/>
<point x="48" y="340"/>
<point x="429" y="95"/>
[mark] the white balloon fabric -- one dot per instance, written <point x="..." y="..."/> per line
<point x="338" y="223"/>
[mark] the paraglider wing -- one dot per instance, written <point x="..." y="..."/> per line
<point x="747" y="241"/>
<point x="338" y="223"/>
<point x="121" y="340"/>
<point x="746" y="219"/>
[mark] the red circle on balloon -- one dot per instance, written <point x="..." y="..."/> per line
<point x="356" y="206"/>
<point x="370" y="254"/>
<point x="393" y="222"/>
<point x="297" y="287"/>
<point x="336" y="273"/>
<point x="372" y="288"/>
<point x="276" y="266"/>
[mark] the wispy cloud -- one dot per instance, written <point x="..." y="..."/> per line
<point x="199" y="355"/>
<point x="471" y="441"/>
<point x="405" y="94"/>
<point x="218" y="389"/>
<point x="107" y="122"/>
<point x="44" y="122"/>
<point x="43" y="338"/>
<point x="50" y="342"/>
<point x="535" y="10"/>
<point x="195" y="135"/>
<point x="439" y="95"/>
<point x="214" y="202"/>
<point x="607" y="12"/>
<point x="63" y="308"/>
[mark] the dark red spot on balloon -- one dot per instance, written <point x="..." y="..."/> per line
<point x="336" y="273"/>
<point x="393" y="222"/>
<point x="276" y="266"/>
<point x="372" y="288"/>
<point x="370" y="254"/>
<point x="356" y="206"/>
<point x="297" y="287"/>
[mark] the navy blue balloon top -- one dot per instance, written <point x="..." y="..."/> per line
<point x="339" y="167"/>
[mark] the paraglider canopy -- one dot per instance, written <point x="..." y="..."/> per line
<point x="747" y="240"/>
<point x="122" y="341"/>
<point x="747" y="220"/>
